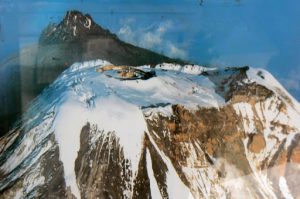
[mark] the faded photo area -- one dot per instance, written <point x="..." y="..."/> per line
<point x="149" y="99"/>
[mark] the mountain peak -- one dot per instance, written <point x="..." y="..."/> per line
<point x="77" y="18"/>
<point x="79" y="32"/>
<point x="75" y="27"/>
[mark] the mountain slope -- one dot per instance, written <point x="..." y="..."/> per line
<point x="76" y="38"/>
<point x="187" y="132"/>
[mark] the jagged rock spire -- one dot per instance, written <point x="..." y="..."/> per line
<point x="75" y="26"/>
<point x="77" y="18"/>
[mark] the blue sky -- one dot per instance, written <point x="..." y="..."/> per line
<point x="259" y="33"/>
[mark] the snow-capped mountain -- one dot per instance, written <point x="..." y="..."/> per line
<point x="183" y="132"/>
<point x="76" y="38"/>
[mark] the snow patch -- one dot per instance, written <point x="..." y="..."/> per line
<point x="176" y="188"/>
<point x="155" y="193"/>
<point x="165" y="111"/>
<point x="168" y="66"/>
<point x="284" y="188"/>
<point x="74" y="31"/>
<point x="245" y="110"/>
<point x="87" y="64"/>
<point x="188" y="69"/>
<point x="68" y="125"/>
<point x="88" y="23"/>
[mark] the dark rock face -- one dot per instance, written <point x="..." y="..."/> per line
<point x="76" y="38"/>
<point x="102" y="168"/>
<point x="54" y="185"/>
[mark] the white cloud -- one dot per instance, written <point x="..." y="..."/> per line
<point x="292" y="82"/>
<point x="127" y="32"/>
<point x="152" y="38"/>
<point x="176" y="52"/>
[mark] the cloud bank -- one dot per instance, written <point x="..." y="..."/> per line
<point x="153" y="38"/>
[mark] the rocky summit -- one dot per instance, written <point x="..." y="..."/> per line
<point x="186" y="131"/>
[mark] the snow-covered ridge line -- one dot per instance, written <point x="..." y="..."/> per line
<point x="264" y="78"/>
<point x="88" y="64"/>
<point x="189" y="69"/>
